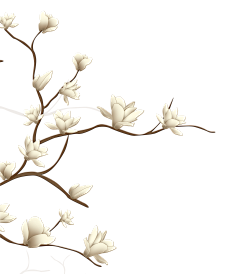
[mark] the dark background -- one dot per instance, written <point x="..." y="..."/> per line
<point x="157" y="195"/>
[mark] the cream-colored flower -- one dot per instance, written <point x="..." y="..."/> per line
<point x="47" y="23"/>
<point x="33" y="115"/>
<point x="40" y="82"/>
<point x="33" y="151"/>
<point x="77" y="191"/>
<point x="122" y="115"/>
<point x="69" y="90"/>
<point x="4" y="216"/>
<point x="65" y="218"/>
<point x="64" y="122"/>
<point x="95" y="245"/>
<point x="7" y="20"/>
<point x="6" y="170"/>
<point x="80" y="61"/>
<point x="171" y="120"/>
<point x="35" y="234"/>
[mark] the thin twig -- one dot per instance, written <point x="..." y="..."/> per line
<point x="42" y="111"/>
<point x="20" y="169"/>
<point x="56" y="225"/>
<point x="170" y="103"/>
<point x="75" y="76"/>
<point x="35" y="61"/>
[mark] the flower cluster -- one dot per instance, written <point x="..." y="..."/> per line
<point x="4" y="216"/>
<point x="33" y="115"/>
<point x="7" y="20"/>
<point x="6" y="170"/>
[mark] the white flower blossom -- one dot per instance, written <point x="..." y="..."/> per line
<point x="35" y="234"/>
<point x="65" y="218"/>
<point x="122" y="115"/>
<point x="7" y="20"/>
<point x="69" y="90"/>
<point x="96" y="244"/>
<point x="4" y="216"/>
<point x="33" y="151"/>
<point x="40" y="82"/>
<point x="77" y="191"/>
<point x="47" y="23"/>
<point x="80" y="61"/>
<point x="33" y="115"/>
<point x="171" y="120"/>
<point x="64" y="122"/>
<point x="6" y="170"/>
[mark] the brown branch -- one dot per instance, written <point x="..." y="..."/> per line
<point x="9" y="241"/>
<point x="196" y="127"/>
<point x="75" y="76"/>
<point x="25" y="174"/>
<point x="20" y="169"/>
<point x="56" y="225"/>
<point x="170" y="103"/>
<point x="42" y="111"/>
<point x="35" y="60"/>
<point x="1" y="60"/>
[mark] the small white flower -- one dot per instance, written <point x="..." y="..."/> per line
<point x="122" y="115"/>
<point x="95" y="245"/>
<point x="81" y="61"/>
<point x="77" y="191"/>
<point x="33" y="151"/>
<point x="69" y="90"/>
<point x="6" y="170"/>
<point x="35" y="234"/>
<point x="33" y="115"/>
<point x="171" y="120"/>
<point x="65" y="218"/>
<point x="47" y="23"/>
<point x="64" y="122"/>
<point x="40" y="82"/>
<point x="4" y="216"/>
<point x="7" y="20"/>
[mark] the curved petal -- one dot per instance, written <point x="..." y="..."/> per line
<point x="108" y="242"/>
<point x="3" y="215"/>
<point x="25" y="232"/>
<point x="174" y="113"/>
<point x="2" y="229"/>
<point x="36" y="144"/>
<point x="113" y="101"/>
<point x="168" y="115"/>
<point x="120" y="101"/>
<point x="97" y="249"/>
<point x="82" y="65"/>
<point x="68" y="123"/>
<point x="98" y="238"/>
<point x="8" y="170"/>
<point x="130" y="105"/>
<point x="38" y="163"/>
<point x="35" y="226"/>
<point x="165" y="109"/>
<point x="117" y="114"/>
<point x="121" y="124"/>
<point x="160" y="119"/>
<point x="51" y="126"/>
<point x="133" y="116"/>
<point x="92" y="236"/>
<point x="177" y="132"/>
<point x="171" y="123"/>
<point x="37" y="240"/>
<point x="22" y="150"/>
<point x="2" y="168"/>
<point x="60" y="124"/>
<point x="66" y="116"/>
<point x="71" y="189"/>
<point x="52" y="22"/>
<point x="28" y="123"/>
<point x="100" y="259"/>
<point x="105" y="113"/>
<point x="43" y="21"/>
<point x="34" y="155"/>
<point x="50" y="29"/>
<point x="4" y="207"/>
<point x="128" y="111"/>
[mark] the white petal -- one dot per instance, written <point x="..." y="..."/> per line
<point x="113" y="101"/>
<point x="82" y="65"/>
<point x="167" y="116"/>
<point x="172" y="123"/>
<point x="38" y="163"/>
<point x="100" y="259"/>
<point x="97" y="249"/>
<point x="2" y="229"/>
<point x="51" y="126"/>
<point x="117" y="114"/>
<point x="28" y="123"/>
<point x="133" y="116"/>
<point x="43" y="21"/>
<point x="37" y="240"/>
<point x="22" y="150"/>
<point x="121" y="124"/>
<point x="129" y="111"/>
<point x="8" y="170"/>
<point x="66" y="116"/>
<point x="160" y="119"/>
<point x="105" y="113"/>
<point x="174" y="113"/>
<point x="93" y="236"/>
<point x="121" y="102"/>
<point x="4" y="207"/>
<point x="25" y="232"/>
<point x="177" y="132"/>
<point x="34" y="154"/>
<point x="35" y="226"/>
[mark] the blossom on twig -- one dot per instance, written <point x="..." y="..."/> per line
<point x="171" y="120"/>
<point x="77" y="191"/>
<point x="33" y="151"/>
<point x="47" y="23"/>
<point x="4" y="216"/>
<point x="69" y="90"/>
<point x="6" y="170"/>
<point x="80" y="61"/>
<point x="65" y="218"/>
<point x="40" y="82"/>
<point x="33" y="115"/>
<point x="64" y="122"/>
<point x="7" y="20"/>
<point x="122" y="115"/>
<point x="95" y="245"/>
<point x="35" y="234"/>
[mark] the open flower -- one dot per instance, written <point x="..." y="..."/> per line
<point x="4" y="216"/>
<point x="35" y="234"/>
<point x="65" y="218"/>
<point x="64" y="122"/>
<point x="33" y="115"/>
<point x="69" y="90"/>
<point x="80" y="61"/>
<point x="40" y="82"/>
<point x="77" y="191"/>
<point x="171" y="120"/>
<point x="6" y="170"/>
<point x="95" y="245"/>
<point x="33" y="151"/>
<point x="47" y="23"/>
<point x="122" y="115"/>
<point x="7" y="20"/>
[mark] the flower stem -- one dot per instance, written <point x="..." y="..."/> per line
<point x="56" y="225"/>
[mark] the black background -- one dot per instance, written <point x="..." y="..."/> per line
<point x="157" y="195"/>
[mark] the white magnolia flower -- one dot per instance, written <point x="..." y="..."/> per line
<point x="6" y="170"/>
<point x="69" y="90"/>
<point x="7" y="20"/>
<point x="35" y="234"/>
<point x="40" y="82"/>
<point x="81" y="61"/>
<point x="33" y="115"/>
<point x="77" y="191"/>
<point x="33" y="151"/>
<point x="65" y="218"/>
<point x="122" y="115"/>
<point x="47" y="23"/>
<point x="95" y="245"/>
<point x="171" y="120"/>
<point x="64" y="122"/>
<point x="4" y="216"/>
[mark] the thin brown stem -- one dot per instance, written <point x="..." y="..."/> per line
<point x="35" y="60"/>
<point x="170" y="103"/>
<point x="9" y="241"/>
<point x="25" y="174"/>
<point x="51" y="100"/>
<point x="75" y="76"/>
<point x="42" y="111"/>
<point x="196" y="127"/>
<point x="56" y="225"/>
<point x="1" y="60"/>
<point x="21" y="168"/>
